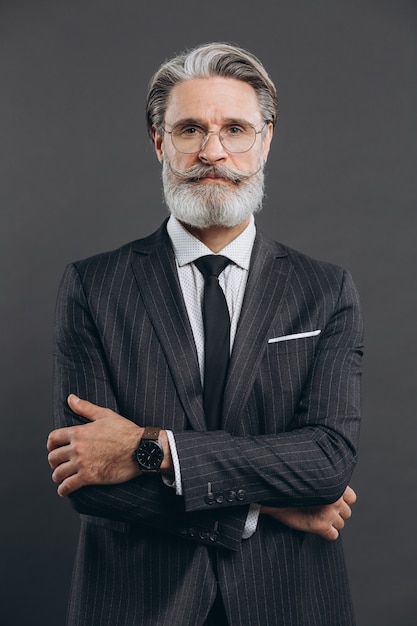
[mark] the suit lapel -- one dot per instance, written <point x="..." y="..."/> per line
<point x="267" y="283"/>
<point x="157" y="279"/>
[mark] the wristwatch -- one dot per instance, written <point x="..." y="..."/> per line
<point x="149" y="453"/>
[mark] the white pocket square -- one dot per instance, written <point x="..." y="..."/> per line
<point x="311" y="333"/>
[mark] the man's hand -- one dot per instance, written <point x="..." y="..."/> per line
<point x="325" y="521"/>
<point x="98" y="453"/>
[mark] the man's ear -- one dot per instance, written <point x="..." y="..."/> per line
<point x="267" y="140"/>
<point x="157" y="142"/>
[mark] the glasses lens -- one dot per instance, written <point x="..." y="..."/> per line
<point x="238" y="138"/>
<point x="187" y="139"/>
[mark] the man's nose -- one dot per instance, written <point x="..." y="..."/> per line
<point x="212" y="149"/>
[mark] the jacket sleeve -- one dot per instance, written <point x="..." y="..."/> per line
<point x="312" y="461"/>
<point x="80" y="367"/>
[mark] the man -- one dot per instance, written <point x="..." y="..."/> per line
<point x="226" y="515"/>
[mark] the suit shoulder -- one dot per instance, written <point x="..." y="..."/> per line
<point x="110" y="257"/>
<point x="319" y="276"/>
<point x="299" y="260"/>
<point x="118" y="258"/>
<point x="302" y="260"/>
<point x="310" y="274"/>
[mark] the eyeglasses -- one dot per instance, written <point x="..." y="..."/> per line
<point x="235" y="138"/>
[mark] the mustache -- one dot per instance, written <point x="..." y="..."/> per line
<point x="195" y="173"/>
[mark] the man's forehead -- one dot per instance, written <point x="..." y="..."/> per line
<point x="214" y="98"/>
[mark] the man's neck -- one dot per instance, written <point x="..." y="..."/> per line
<point x="217" y="237"/>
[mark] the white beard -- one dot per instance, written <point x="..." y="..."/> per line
<point x="203" y="205"/>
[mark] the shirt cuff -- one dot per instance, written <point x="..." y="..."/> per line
<point x="176" y="482"/>
<point x="251" y="523"/>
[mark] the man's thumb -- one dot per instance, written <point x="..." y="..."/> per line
<point x="83" y="407"/>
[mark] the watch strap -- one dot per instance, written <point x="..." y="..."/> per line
<point x="151" y="432"/>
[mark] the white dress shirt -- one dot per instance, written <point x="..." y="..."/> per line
<point x="232" y="280"/>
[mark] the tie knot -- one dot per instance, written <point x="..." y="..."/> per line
<point x="212" y="264"/>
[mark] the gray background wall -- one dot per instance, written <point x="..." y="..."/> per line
<point x="78" y="177"/>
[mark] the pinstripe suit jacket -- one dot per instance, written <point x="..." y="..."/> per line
<point x="289" y="438"/>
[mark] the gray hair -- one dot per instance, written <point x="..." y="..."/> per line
<point x="212" y="59"/>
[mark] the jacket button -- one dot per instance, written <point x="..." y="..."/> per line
<point x="219" y="497"/>
<point x="209" y="498"/>
<point x="241" y="495"/>
<point x="230" y="496"/>
<point x="203" y="534"/>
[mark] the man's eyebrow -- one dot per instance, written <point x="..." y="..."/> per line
<point x="188" y="121"/>
<point x="225" y="122"/>
<point x="239" y="121"/>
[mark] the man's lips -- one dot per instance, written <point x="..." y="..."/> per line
<point x="215" y="177"/>
<point x="211" y="178"/>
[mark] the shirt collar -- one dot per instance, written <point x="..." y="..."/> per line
<point x="188" y="248"/>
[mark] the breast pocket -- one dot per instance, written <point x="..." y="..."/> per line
<point x="289" y="364"/>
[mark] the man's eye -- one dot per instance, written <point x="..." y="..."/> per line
<point x="234" y="131"/>
<point x="190" y="131"/>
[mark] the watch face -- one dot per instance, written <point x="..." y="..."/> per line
<point x="149" y="455"/>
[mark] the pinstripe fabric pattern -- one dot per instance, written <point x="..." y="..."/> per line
<point x="291" y="423"/>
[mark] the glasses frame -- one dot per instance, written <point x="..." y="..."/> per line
<point x="215" y="132"/>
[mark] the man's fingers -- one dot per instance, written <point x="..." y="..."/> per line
<point x="57" y="456"/>
<point x="63" y="436"/>
<point x="62" y="472"/>
<point x="331" y="534"/>
<point x="339" y="522"/>
<point x="70" y="484"/>
<point x="349" y="496"/>
<point x="58" y="438"/>
<point x="344" y="509"/>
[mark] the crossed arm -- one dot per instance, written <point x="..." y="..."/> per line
<point x="101" y="453"/>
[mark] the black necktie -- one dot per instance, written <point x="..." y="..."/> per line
<point x="216" y="337"/>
